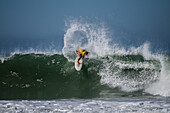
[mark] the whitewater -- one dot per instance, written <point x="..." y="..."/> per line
<point x="113" y="78"/>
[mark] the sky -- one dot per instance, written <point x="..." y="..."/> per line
<point x="26" y="22"/>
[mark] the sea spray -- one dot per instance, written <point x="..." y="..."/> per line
<point x="90" y="36"/>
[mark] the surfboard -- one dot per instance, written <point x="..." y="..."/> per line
<point x="78" y="66"/>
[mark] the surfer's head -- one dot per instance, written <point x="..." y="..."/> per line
<point x="86" y="53"/>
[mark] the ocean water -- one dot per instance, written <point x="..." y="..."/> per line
<point x="113" y="78"/>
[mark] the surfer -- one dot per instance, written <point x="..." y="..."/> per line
<point x="81" y="53"/>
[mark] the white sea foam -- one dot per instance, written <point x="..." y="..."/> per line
<point x="85" y="106"/>
<point x="162" y="86"/>
<point x="113" y="73"/>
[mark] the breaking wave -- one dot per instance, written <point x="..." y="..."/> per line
<point x="108" y="69"/>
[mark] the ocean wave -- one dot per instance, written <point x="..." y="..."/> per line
<point x="28" y="75"/>
<point x="108" y="69"/>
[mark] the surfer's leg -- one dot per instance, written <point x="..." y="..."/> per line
<point x="79" y="59"/>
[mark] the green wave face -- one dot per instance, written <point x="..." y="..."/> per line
<point x="40" y="76"/>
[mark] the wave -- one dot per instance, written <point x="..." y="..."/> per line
<point x="33" y="76"/>
<point x="109" y="70"/>
<point x="98" y="39"/>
